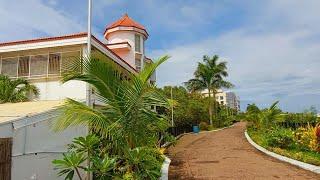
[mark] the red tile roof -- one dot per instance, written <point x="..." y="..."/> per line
<point x="125" y="21"/>
<point x="70" y="36"/>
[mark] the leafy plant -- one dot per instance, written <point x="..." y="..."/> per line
<point x="69" y="164"/>
<point x="308" y="138"/>
<point x="16" y="90"/>
<point x="280" y="137"/>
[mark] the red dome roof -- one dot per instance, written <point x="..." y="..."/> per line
<point x="125" y="21"/>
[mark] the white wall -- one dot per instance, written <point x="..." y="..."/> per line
<point x="124" y="36"/>
<point x="6" y="130"/>
<point x="55" y="90"/>
<point x="34" y="167"/>
<point x="35" y="145"/>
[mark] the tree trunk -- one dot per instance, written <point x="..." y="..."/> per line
<point x="214" y="104"/>
<point x="210" y="106"/>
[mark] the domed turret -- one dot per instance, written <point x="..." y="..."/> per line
<point x="126" y="38"/>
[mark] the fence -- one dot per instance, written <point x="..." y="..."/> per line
<point x="5" y="158"/>
<point x="176" y="131"/>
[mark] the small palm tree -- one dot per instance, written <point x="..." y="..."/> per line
<point x="16" y="90"/>
<point x="209" y="75"/>
<point x="268" y="117"/>
<point x="124" y="119"/>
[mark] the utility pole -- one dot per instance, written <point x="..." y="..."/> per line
<point x="88" y="99"/>
<point x="172" y="124"/>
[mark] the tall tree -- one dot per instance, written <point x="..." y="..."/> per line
<point x="16" y="90"/>
<point x="210" y="74"/>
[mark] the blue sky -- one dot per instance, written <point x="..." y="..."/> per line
<point x="272" y="47"/>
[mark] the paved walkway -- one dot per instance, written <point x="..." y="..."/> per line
<point x="226" y="154"/>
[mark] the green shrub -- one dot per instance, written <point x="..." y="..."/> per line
<point x="280" y="137"/>
<point x="210" y="128"/>
<point x="203" y="126"/>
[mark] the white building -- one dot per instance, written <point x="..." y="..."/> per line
<point x="229" y="99"/>
<point x="42" y="61"/>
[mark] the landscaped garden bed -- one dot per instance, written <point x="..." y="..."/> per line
<point x="292" y="150"/>
<point x="296" y="136"/>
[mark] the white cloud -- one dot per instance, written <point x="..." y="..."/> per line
<point x="264" y="65"/>
<point x="28" y="19"/>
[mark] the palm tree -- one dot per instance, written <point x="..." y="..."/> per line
<point x="16" y="90"/>
<point x="126" y="116"/>
<point x="124" y="121"/>
<point x="209" y="75"/>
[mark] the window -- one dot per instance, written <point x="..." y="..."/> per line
<point x="137" y="44"/>
<point x="23" y="69"/>
<point x="221" y="97"/>
<point x="54" y="63"/>
<point x="10" y="67"/>
<point x="70" y="61"/>
<point x="38" y="65"/>
<point x="138" y="64"/>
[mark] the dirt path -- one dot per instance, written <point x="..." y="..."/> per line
<point x="226" y="154"/>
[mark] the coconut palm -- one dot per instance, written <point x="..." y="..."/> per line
<point x="16" y="90"/>
<point x="209" y="75"/>
<point x="125" y="116"/>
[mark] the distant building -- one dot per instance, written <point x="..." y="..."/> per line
<point x="229" y="99"/>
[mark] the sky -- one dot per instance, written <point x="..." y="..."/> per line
<point x="272" y="47"/>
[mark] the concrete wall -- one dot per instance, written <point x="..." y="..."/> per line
<point x="55" y="90"/>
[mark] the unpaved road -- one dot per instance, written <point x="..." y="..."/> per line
<point x="226" y="154"/>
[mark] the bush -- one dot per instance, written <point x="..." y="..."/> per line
<point x="203" y="126"/>
<point x="280" y="137"/>
<point x="307" y="138"/>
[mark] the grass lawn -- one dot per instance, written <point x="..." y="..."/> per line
<point x="310" y="157"/>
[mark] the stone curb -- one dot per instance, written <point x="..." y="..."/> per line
<point x="303" y="165"/>
<point x="165" y="169"/>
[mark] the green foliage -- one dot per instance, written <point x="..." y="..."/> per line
<point x="144" y="163"/>
<point x="16" y="90"/>
<point x="280" y="137"/>
<point x="124" y="130"/>
<point x="70" y="163"/>
<point x="295" y="151"/>
<point x="204" y="126"/>
<point x="296" y="120"/>
<point x="291" y="134"/>
<point x="265" y="118"/>
<point x="190" y="108"/>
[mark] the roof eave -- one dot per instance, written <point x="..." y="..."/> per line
<point x="125" y="28"/>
